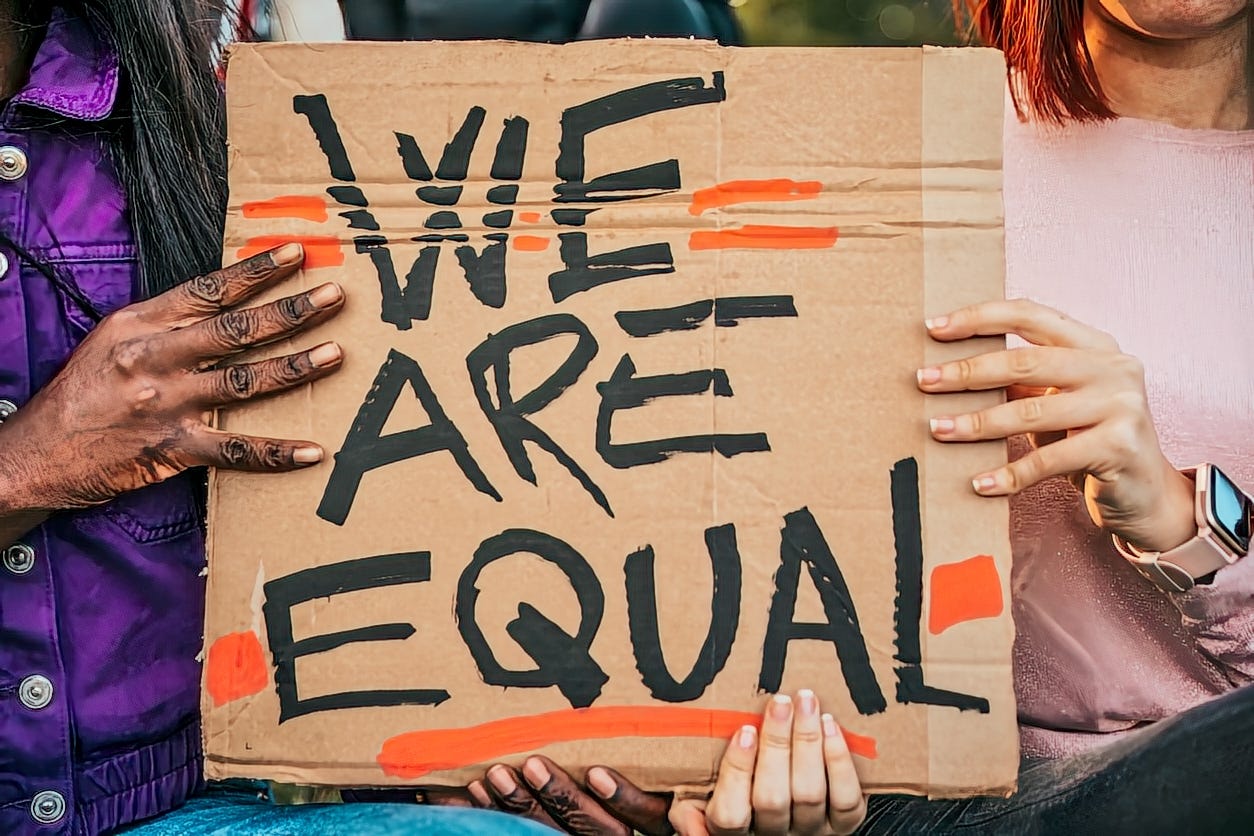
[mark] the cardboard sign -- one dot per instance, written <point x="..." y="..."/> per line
<point x="627" y="435"/>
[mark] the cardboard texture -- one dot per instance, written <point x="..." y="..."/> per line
<point x="627" y="434"/>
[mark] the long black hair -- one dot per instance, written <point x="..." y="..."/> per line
<point x="170" y="150"/>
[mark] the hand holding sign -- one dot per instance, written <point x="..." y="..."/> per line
<point x="1089" y="398"/>
<point x="128" y="408"/>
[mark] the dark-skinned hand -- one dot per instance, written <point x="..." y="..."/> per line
<point x="130" y="407"/>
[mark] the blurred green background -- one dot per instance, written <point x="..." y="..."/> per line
<point x="846" y="22"/>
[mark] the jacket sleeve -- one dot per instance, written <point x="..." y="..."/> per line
<point x="1220" y="616"/>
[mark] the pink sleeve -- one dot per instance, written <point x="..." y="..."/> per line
<point x="1220" y="616"/>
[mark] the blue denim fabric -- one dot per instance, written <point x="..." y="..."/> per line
<point x="233" y="811"/>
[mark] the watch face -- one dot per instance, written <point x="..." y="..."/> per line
<point x="1229" y="511"/>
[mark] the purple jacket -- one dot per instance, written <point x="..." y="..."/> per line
<point x="101" y="610"/>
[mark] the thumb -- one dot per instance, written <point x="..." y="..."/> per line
<point x="642" y="811"/>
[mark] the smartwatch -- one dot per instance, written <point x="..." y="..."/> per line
<point x="1223" y="514"/>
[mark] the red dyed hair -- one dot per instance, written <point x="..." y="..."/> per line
<point x="1051" y="72"/>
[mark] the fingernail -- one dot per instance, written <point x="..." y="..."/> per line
<point x="930" y="375"/>
<point x="326" y="295"/>
<point x="601" y="782"/>
<point x="942" y="425"/>
<point x="479" y="794"/>
<point x="748" y="737"/>
<point x="936" y="322"/>
<point x="307" y="455"/>
<point x="829" y="726"/>
<point x="289" y="253"/>
<point x="536" y="773"/>
<point x="806" y="702"/>
<point x="781" y="707"/>
<point x="985" y="483"/>
<point x="325" y="354"/>
<point x="502" y="780"/>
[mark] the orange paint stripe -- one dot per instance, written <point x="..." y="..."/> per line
<point x="320" y="250"/>
<point x="964" y="591"/>
<point x="752" y="191"/>
<point x="418" y="753"/>
<point x="531" y="243"/>
<point x="765" y="238"/>
<point x="307" y="207"/>
<point x="529" y="217"/>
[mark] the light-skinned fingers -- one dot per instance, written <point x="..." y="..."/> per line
<point x="239" y="329"/>
<point x="212" y="293"/>
<point x="566" y="801"/>
<point x="730" y="810"/>
<point x="245" y="381"/>
<point x="644" y="811"/>
<point x="230" y="451"/>
<point x="846" y="803"/>
<point x="1065" y="368"/>
<point x="687" y="817"/>
<point x="511" y="795"/>
<point x="772" y="777"/>
<point x="1032" y="321"/>
<point x="1046" y="414"/>
<point x="809" y="779"/>
<point x="1073" y="454"/>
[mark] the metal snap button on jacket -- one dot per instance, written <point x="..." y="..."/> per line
<point x="35" y="692"/>
<point x="7" y="408"/>
<point x="19" y="558"/>
<point x="12" y="162"/>
<point x="47" y="807"/>
<point x="4" y="266"/>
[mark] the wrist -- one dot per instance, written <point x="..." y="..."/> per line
<point x="1174" y="521"/>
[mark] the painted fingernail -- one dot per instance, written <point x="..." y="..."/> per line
<point x="326" y="295"/>
<point x="829" y="726"/>
<point x="601" y="782"/>
<point x="536" y="773"/>
<point x="748" y="737"/>
<point x="325" y="354"/>
<point x="502" y="780"/>
<point x="781" y="707"/>
<point x="806" y="702"/>
<point x="307" y="455"/>
<point x="936" y="322"/>
<point x="985" y="483"/>
<point x="929" y="375"/>
<point x="289" y="253"/>
<point x="942" y="425"/>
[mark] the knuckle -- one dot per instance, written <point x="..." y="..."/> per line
<point x="807" y="736"/>
<point x="1130" y="402"/>
<point x="235" y="328"/>
<point x="209" y="288"/>
<point x="240" y="382"/>
<point x="1030" y="411"/>
<point x="131" y="356"/>
<point x="771" y="800"/>
<point x="807" y="796"/>
<point x="1123" y="439"/>
<point x="292" y="369"/>
<point x="1107" y="341"/>
<point x="977" y="422"/>
<point x="292" y="310"/>
<point x="1023" y="361"/>
<point x="236" y="451"/>
<point x="1129" y="367"/>
<point x="775" y="740"/>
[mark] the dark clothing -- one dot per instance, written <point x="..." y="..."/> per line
<point x="540" y="20"/>
<point x="1190" y="774"/>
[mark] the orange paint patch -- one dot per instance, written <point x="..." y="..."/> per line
<point x="964" y="591"/>
<point x="235" y="667"/>
<point x="306" y="207"/>
<point x="418" y="753"/>
<point x="531" y="243"/>
<point x="320" y="250"/>
<point x="752" y="191"/>
<point x="529" y="217"/>
<point x="765" y="238"/>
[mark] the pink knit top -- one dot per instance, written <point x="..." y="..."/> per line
<point x="1147" y="232"/>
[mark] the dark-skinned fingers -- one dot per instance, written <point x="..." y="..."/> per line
<point x="245" y="381"/>
<point x="233" y="331"/>
<point x="1047" y="414"/>
<point x="213" y="293"/>
<point x="572" y="808"/>
<point x="772" y="777"/>
<point x="730" y="809"/>
<point x="809" y="779"/>
<point x="480" y="796"/>
<point x="231" y="451"/>
<point x="1065" y="368"/>
<point x="647" y="812"/>
<point x="846" y="803"/>
<point x="512" y="796"/>
<point x="1032" y="321"/>
<point x="1076" y="453"/>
